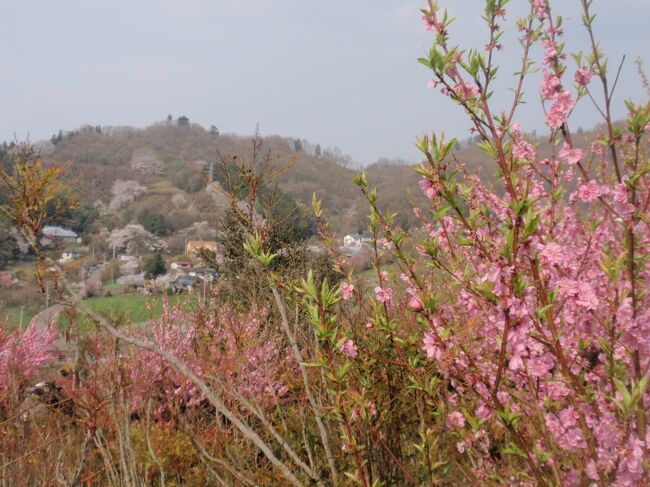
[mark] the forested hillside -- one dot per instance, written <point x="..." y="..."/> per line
<point x="159" y="174"/>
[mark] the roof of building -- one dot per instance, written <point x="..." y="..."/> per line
<point x="359" y="236"/>
<point x="53" y="231"/>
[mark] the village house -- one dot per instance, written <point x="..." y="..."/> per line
<point x="182" y="265"/>
<point x="357" y="239"/>
<point x="60" y="235"/>
<point x="68" y="255"/>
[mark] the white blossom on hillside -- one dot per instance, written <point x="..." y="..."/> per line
<point x="124" y="193"/>
<point x="145" y="161"/>
<point x="135" y="240"/>
<point x="199" y="231"/>
<point x="179" y="199"/>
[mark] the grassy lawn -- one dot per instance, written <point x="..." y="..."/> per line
<point x="128" y="308"/>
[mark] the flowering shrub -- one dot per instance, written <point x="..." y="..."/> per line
<point x="22" y="354"/>
<point x="235" y="348"/>
<point x="529" y="297"/>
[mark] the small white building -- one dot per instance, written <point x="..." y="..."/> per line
<point x="357" y="239"/>
<point x="68" y="255"/>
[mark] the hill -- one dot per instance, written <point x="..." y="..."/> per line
<point x="157" y="176"/>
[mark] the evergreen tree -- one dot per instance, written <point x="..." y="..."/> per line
<point x="154" y="266"/>
<point x="154" y="222"/>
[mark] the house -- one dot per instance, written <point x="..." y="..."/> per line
<point x="68" y="255"/>
<point x="192" y="246"/>
<point x="204" y="274"/>
<point x="182" y="265"/>
<point x="357" y="239"/>
<point x="184" y="283"/>
<point x="60" y="234"/>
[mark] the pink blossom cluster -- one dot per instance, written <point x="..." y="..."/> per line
<point x="23" y="353"/>
<point x="539" y="317"/>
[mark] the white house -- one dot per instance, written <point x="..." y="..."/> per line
<point x="357" y="239"/>
<point x="68" y="255"/>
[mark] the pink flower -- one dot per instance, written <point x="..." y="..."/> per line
<point x="384" y="243"/>
<point x="432" y="84"/>
<point x="621" y="204"/>
<point x="427" y="187"/>
<point x="590" y="192"/>
<point x="349" y="348"/>
<point x="415" y="304"/>
<point x="566" y="431"/>
<point x="460" y="446"/>
<point x="370" y="325"/>
<point x="553" y="254"/>
<point x="523" y="150"/>
<point x="483" y="412"/>
<point x="583" y="76"/>
<point x="583" y="292"/>
<point x="22" y="354"/>
<point x="384" y="295"/>
<point x="559" y="112"/>
<point x="550" y="54"/>
<point x="630" y="470"/>
<point x="550" y="85"/>
<point x="430" y="21"/>
<point x="620" y="193"/>
<point x="572" y="155"/>
<point x="431" y="346"/>
<point x="455" y="420"/>
<point x="541" y="365"/>
<point x="347" y="290"/>
<point x="465" y="91"/>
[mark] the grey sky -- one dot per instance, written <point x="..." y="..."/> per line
<point x="337" y="72"/>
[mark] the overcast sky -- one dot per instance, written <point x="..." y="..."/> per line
<point x="337" y="72"/>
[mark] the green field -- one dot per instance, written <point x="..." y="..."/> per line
<point x="127" y="308"/>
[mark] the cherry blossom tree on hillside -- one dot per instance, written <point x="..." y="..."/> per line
<point x="124" y="193"/>
<point x="135" y="240"/>
<point x="145" y="161"/>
